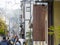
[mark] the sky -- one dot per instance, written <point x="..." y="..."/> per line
<point x="10" y="4"/>
<point x="10" y="12"/>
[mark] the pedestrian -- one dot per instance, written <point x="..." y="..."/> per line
<point x="17" y="42"/>
<point x="12" y="41"/>
<point x="4" y="41"/>
<point x="9" y="41"/>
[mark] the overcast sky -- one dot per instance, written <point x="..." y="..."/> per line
<point x="10" y="4"/>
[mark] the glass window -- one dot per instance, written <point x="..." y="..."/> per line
<point x="27" y="15"/>
<point x="27" y="9"/>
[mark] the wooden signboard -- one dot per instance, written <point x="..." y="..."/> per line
<point x="39" y="12"/>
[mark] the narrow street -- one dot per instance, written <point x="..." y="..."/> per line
<point x="29" y="22"/>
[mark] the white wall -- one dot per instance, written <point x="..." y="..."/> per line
<point x="27" y="18"/>
<point x="39" y="43"/>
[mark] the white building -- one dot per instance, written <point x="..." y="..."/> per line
<point x="27" y="17"/>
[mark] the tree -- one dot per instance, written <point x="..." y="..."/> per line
<point x="57" y="29"/>
<point x="3" y="27"/>
<point x="52" y="28"/>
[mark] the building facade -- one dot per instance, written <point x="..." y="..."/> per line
<point x="39" y="14"/>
